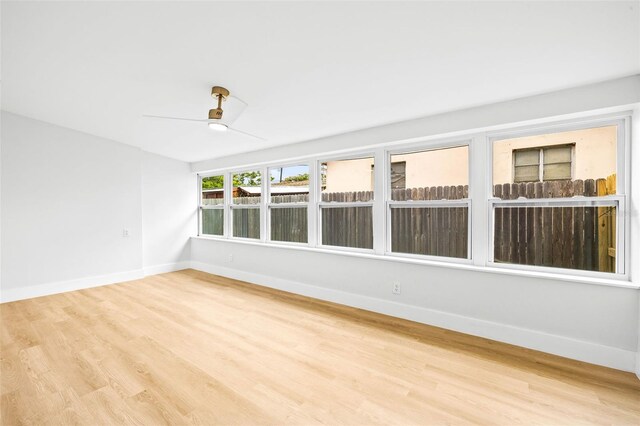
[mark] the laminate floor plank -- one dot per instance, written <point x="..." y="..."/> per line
<point x="193" y="348"/>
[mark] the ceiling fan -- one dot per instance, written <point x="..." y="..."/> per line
<point x="219" y="120"/>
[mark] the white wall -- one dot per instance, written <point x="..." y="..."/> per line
<point x="588" y="322"/>
<point x="169" y="200"/>
<point x="585" y="321"/>
<point x="66" y="198"/>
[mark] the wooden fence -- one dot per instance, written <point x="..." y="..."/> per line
<point x="567" y="237"/>
<point x="434" y="231"/>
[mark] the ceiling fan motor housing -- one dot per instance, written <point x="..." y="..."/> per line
<point x="218" y="90"/>
<point x="215" y="114"/>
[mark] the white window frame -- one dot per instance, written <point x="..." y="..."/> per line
<point x="270" y="205"/>
<point x="319" y="204"/>
<point x="390" y="204"/>
<point x="480" y="142"/>
<point x="231" y="206"/>
<point x="622" y="121"/>
<point x="202" y="206"/>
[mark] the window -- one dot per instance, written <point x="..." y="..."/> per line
<point x="212" y="205"/>
<point x="245" y="204"/>
<point x="288" y="204"/>
<point x="346" y="206"/>
<point x="556" y="201"/>
<point x="429" y="213"/>
<point x="555" y="160"/>
<point x="565" y="214"/>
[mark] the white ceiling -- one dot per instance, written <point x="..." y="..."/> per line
<point x="306" y="69"/>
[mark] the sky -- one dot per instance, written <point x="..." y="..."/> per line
<point x="288" y="171"/>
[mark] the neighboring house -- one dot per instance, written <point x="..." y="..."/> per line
<point x="255" y="191"/>
<point x="411" y="170"/>
<point x="212" y="193"/>
<point x="581" y="154"/>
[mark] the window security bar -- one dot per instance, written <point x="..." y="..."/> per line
<point x="288" y="205"/>
<point x="560" y="202"/>
<point x="339" y="204"/>
<point x="429" y="203"/>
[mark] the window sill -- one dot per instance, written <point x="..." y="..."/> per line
<point x="623" y="283"/>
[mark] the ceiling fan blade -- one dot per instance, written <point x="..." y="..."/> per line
<point x="237" y="99"/>
<point x="233" y="108"/>
<point x="204" y="121"/>
<point x="246" y="134"/>
<point x="175" y="118"/>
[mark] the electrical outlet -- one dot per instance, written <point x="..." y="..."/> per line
<point x="230" y="258"/>
<point x="125" y="232"/>
<point x="396" y="288"/>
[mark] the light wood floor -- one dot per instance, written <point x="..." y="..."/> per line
<point x="193" y="348"/>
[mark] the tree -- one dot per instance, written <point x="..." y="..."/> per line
<point x="239" y="179"/>
<point x="297" y="178"/>
<point x="213" y="182"/>
<point x="247" y="179"/>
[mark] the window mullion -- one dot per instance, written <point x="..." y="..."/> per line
<point x="480" y="189"/>
<point x="264" y="192"/>
<point x="312" y="210"/>
<point x="227" y="195"/>
<point x="380" y="190"/>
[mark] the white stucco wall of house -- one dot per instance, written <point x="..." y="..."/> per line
<point x="594" y="158"/>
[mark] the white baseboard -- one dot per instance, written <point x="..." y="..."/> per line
<point x="167" y="267"/>
<point x="21" y="293"/>
<point x="554" y="344"/>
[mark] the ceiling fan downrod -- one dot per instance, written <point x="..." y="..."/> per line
<point x="221" y="93"/>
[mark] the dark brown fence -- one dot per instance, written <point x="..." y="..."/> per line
<point x="347" y="226"/>
<point x="567" y="237"/>
<point x="434" y="231"/>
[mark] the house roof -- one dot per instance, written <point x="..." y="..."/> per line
<point x="289" y="189"/>
<point x="256" y="190"/>
<point x="291" y="183"/>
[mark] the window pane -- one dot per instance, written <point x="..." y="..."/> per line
<point x="557" y="155"/>
<point x="247" y="187"/>
<point x="584" y="164"/>
<point x="289" y="224"/>
<point x="399" y="175"/>
<point x="434" y="231"/>
<point x="527" y="173"/>
<point x="527" y="157"/>
<point x="246" y="222"/>
<point x="557" y="171"/>
<point x="347" y="180"/>
<point x="289" y="184"/>
<point x="432" y="175"/>
<point x="562" y="237"/>
<point x="347" y="227"/>
<point x="212" y="190"/>
<point x="212" y="221"/>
